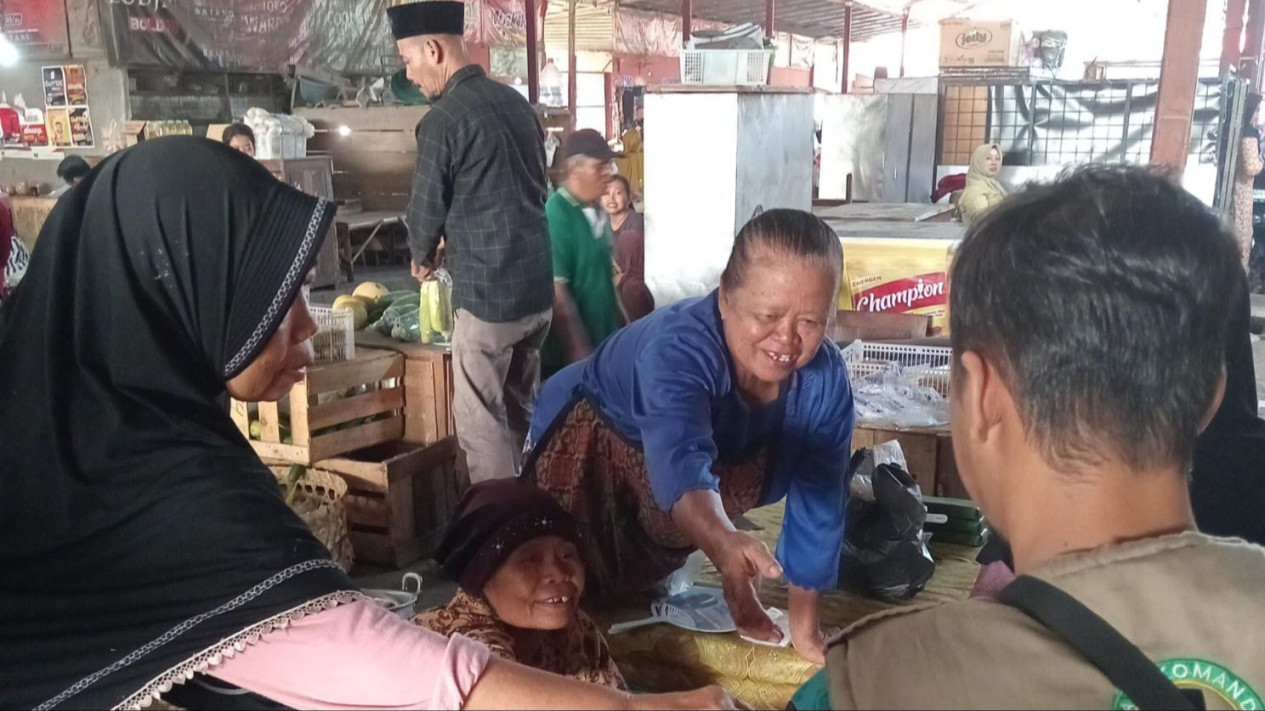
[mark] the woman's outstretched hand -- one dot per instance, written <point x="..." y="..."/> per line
<point x="743" y="561"/>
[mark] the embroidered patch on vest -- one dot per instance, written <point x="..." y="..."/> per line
<point x="1208" y="677"/>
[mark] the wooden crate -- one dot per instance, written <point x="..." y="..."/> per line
<point x="928" y="452"/>
<point x="312" y="423"/>
<point x="428" y="385"/>
<point x="400" y="498"/>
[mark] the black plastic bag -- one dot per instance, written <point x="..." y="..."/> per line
<point x="884" y="554"/>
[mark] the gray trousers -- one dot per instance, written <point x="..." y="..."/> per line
<point x="496" y="373"/>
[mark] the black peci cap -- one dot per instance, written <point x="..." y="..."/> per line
<point x="433" y="17"/>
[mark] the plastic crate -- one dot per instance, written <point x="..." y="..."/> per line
<point x="726" y="67"/>
<point x="335" y="338"/>
<point x="930" y="364"/>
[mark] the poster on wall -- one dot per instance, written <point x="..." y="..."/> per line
<point x="54" y="86"/>
<point x="76" y="85"/>
<point x="81" y="127"/>
<point x="37" y="27"/>
<point x="59" y="128"/>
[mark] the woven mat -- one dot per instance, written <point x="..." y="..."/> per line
<point x="666" y="658"/>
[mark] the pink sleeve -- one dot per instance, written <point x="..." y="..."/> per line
<point x="358" y="656"/>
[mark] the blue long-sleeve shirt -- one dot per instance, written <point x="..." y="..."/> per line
<point x="666" y="384"/>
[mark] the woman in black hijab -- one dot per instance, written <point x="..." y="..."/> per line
<point x="137" y="528"/>
<point x="142" y="542"/>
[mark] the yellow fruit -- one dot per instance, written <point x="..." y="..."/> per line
<point x="370" y="291"/>
<point x="256" y="429"/>
<point x="356" y="305"/>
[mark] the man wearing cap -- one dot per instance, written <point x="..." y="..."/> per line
<point x="586" y="308"/>
<point x="480" y="185"/>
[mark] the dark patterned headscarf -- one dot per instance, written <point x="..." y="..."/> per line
<point x="493" y="520"/>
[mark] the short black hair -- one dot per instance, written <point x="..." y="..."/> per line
<point x="1103" y="299"/>
<point x="73" y="168"/>
<point x="233" y="130"/>
<point x="784" y="232"/>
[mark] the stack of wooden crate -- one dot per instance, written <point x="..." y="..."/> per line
<point x="349" y="418"/>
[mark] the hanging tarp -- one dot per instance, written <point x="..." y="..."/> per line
<point x="652" y="34"/>
<point x="647" y="34"/>
<point x="503" y="22"/>
<point x="267" y="35"/>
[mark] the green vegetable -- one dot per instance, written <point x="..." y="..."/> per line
<point x="424" y="312"/>
<point x="438" y="301"/>
<point x="445" y="310"/>
<point x="394" y="296"/>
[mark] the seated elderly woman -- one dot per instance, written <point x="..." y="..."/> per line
<point x="703" y="410"/>
<point x="515" y="554"/>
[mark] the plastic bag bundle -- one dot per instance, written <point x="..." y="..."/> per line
<point x="884" y="551"/>
<point x="897" y="398"/>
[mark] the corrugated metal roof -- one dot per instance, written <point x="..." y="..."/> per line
<point x="810" y="18"/>
<point x="594" y="25"/>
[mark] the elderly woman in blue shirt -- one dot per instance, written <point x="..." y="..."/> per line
<point x="686" y="419"/>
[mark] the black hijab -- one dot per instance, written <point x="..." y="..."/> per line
<point x="140" y="536"/>
<point x="1228" y="483"/>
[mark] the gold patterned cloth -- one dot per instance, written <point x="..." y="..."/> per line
<point x="667" y="658"/>
<point x="579" y="651"/>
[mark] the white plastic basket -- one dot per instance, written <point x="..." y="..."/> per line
<point x="726" y="67"/>
<point x="335" y="338"/>
<point x="929" y="364"/>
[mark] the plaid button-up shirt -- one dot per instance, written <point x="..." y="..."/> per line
<point x="480" y="182"/>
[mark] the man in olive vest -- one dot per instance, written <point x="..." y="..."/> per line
<point x="1088" y="324"/>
